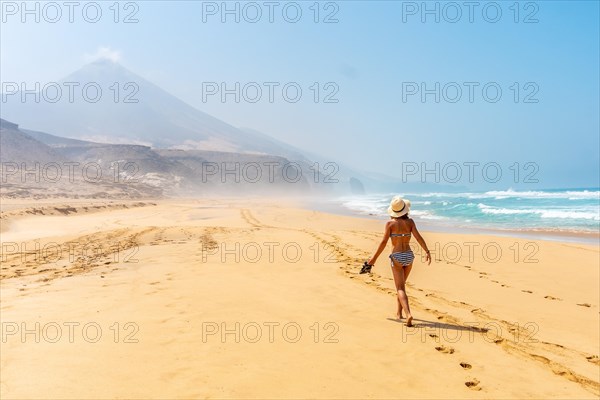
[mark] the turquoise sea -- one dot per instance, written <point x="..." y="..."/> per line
<point x="555" y="210"/>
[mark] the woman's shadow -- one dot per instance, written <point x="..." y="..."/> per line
<point x="423" y="323"/>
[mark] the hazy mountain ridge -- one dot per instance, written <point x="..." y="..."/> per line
<point x="17" y="146"/>
<point x="57" y="141"/>
<point x="133" y="110"/>
<point x="113" y="169"/>
<point x="32" y="168"/>
<point x="138" y="141"/>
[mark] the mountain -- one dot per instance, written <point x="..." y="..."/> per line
<point x="35" y="168"/>
<point x="131" y="120"/>
<point x="238" y="173"/>
<point x="130" y="110"/>
<point x="57" y="141"/>
<point x="106" y="170"/>
<point x="17" y="147"/>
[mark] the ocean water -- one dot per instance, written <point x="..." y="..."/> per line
<point x="559" y="210"/>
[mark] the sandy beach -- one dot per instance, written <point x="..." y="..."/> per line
<point x="239" y="298"/>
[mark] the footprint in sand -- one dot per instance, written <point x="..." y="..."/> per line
<point x="465" y="365"/>
<point x="433" y="335"/>
<point x="527" y="291"/>
<point x="593" y="359"/>
<point x="473" y="384"/>
<point x="552" y="298"/>
<point x="445" y="350"/>
<point x="584" y="304"/>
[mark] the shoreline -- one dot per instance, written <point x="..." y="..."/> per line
<point x="325" y="205"/>
<point x="582" y="237"/>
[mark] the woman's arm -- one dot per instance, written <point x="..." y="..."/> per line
<point x="386" y="236"/>
<point x="421" y="241"/>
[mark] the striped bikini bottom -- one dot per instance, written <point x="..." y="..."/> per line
<point x="405" y="258"/>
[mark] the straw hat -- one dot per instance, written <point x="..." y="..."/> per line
<point x="398" y="207"/>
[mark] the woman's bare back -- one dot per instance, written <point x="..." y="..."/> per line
<point x="400" y="233"/>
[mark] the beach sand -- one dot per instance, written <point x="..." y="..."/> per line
<point x="226" y="298"/>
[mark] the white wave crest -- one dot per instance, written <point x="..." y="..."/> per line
<point x="564" y="214"/>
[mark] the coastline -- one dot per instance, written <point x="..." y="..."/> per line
<point x="569" y="236"/>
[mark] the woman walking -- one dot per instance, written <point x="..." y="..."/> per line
<point x="400" y="229"/>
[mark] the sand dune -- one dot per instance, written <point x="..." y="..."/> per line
<point x="257" y="299"/>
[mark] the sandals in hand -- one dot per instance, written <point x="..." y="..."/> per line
<point x="366" y="268"/>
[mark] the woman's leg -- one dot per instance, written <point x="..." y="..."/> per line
<point x="399" y="312"/>
<point x="406" y="272"/>
<point x="399" y="280"/>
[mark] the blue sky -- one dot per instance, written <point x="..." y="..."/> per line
<point x="368" y="54"/>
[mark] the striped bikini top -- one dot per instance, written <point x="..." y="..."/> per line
<point x="400" y="234"/>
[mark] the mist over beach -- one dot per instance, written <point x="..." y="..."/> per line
<point x="299" y="200"/>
